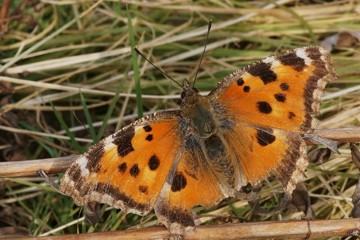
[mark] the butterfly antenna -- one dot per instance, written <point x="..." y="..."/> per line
<point x="203" y="53"/>
<point x="157" y="68"/>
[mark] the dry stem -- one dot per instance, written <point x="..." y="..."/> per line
<point x="304" y="229"/>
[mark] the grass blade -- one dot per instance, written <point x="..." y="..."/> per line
<point x="74" y="143"/>
<point x="92" y="132"/>
<point x="134" y="57"/>
<point x="109" y="112"/>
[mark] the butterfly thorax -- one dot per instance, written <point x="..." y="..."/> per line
<point x="198" y="110"/>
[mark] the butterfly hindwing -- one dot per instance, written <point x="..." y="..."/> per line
<point x="191" y="182"/>
<point x="263" y="151"/>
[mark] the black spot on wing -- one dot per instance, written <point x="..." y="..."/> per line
<point x="264" y="107"/>
<point x="284" y="86"/>
<point x="122" y="167"/>
<point x="246" y="89"/>
<point x="291" y="59"/>
<point x="122" y="140"/>
<point x="263" y="71"/>
<point x="134" y="170"/>
<point x="291" y="115"/>
<point x="179" y="182"/>
<point x="154" y="162"/>
<point x="149" y="137"/>
<point x="280" y="97"/>
<point x="264" y="138"/>
<point x="147" y="128"/>
<point x="240" y="82"/>
<point x="143" y="189"/>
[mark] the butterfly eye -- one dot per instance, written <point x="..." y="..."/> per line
<point x="196" y="90"/>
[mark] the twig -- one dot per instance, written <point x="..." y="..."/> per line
<point x="304" y="229"/>
<point x="30" y="168"/>
<point x="59" y="165"/>
<point x="351" y="134"/>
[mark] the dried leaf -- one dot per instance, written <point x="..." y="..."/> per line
<point x="356" y="201"/>
<point x="301" y="200"/>
<point x="355" y="154"/>
<point x="319" y="154"/>
<point x="341" y="40"/>
<point x="92" y="213"/>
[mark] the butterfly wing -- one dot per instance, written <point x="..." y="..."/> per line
<point x="192" y="182"/>
<point x="261" y="151"/>
<point x="128" y="169"/>
<point x="263" y="108"/>
<point x="282" y="91"/>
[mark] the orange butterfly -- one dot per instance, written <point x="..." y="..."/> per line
<point x="248" y="127"/>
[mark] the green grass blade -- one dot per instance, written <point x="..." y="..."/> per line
<point x="302" y="21"/>
<point x="74" y="143"/>
<point x="92" y="132"/>
<point x="134" y="57"/>
<point x="109" y="112"/>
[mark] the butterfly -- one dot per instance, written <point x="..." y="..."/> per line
<point x="248" y="127"/>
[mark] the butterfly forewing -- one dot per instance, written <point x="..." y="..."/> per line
<point x="128" y="169"/>
<point x="277" y="92"/>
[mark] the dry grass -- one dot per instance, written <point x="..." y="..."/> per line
<point x="58" y="56"/>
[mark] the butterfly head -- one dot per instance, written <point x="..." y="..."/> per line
<point x="189" y="92"/>
<point x="198" y="110"/>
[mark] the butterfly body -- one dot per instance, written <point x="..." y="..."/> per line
<point x="249" y="127"/>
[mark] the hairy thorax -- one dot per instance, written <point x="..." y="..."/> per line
<point x="201" y="114"/>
